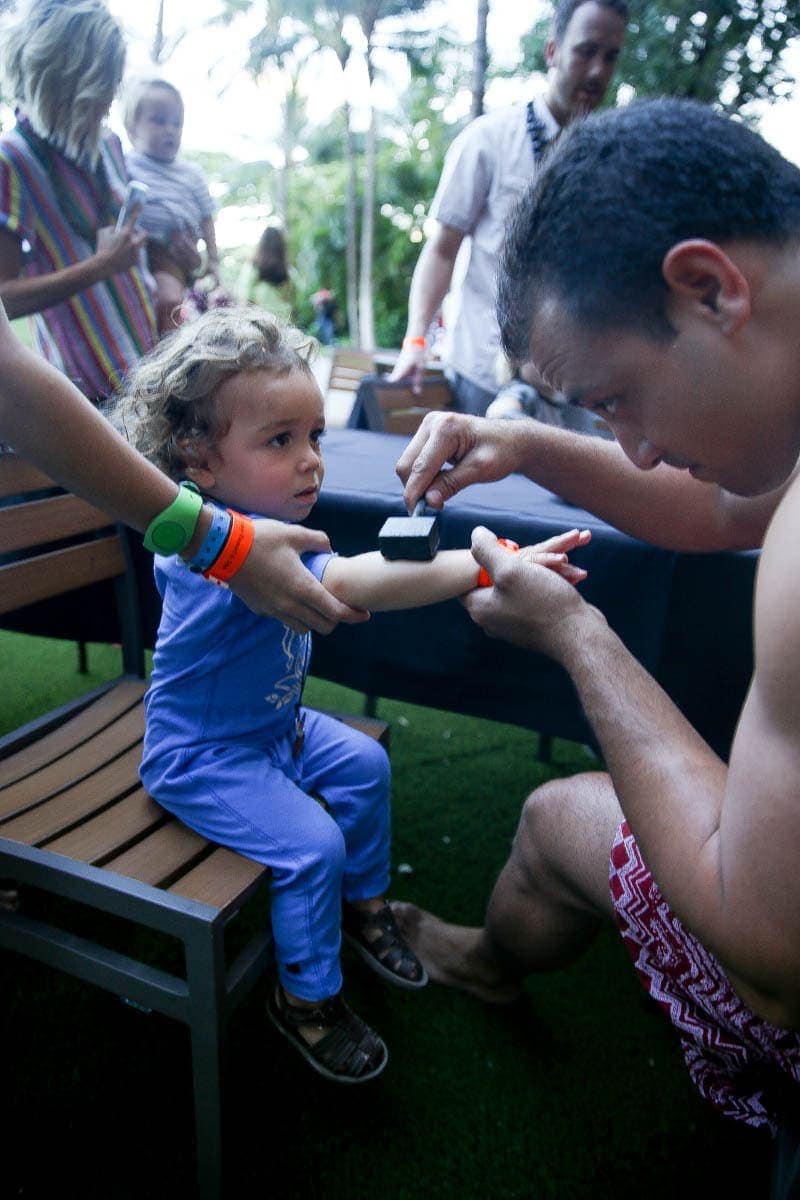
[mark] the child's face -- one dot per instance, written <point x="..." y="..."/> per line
<point x="159" y="124"/>
<point x="269" y="461"/>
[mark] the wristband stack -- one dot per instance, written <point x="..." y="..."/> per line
<point x="225" y="546"/>
<point x="235" y="550"/>
<point x="484" y="578"/>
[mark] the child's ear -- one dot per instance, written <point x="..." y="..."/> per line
<point x="204" y="478"/>
<point x="196" y="465"/>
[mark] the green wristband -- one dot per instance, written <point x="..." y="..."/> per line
<point x="172" y="530"/>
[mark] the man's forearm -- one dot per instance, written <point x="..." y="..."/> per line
<point x="664" y="506"/>
<point x="429" y="286"/>
<point x="669" y="782"/>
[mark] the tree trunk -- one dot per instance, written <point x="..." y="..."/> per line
<point x="351" y="228"/>
<point x="366" y="313"/>
<point x="158" y="39"/>
<point x="480" y="60"/>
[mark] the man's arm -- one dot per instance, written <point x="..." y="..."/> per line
<point x="47" y="420"/>
<point x="430" y="284"/>
<point x="666" y="507"/>
<point x="116" y="252"/>
<point x="722" y="843"/>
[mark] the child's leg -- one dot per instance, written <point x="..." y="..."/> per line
<point x="170" y="291"/>
<point x="351" y="773"/>
<point x="243" y="798"/>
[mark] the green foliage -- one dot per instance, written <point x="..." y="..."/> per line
<point x="725" y="52"/>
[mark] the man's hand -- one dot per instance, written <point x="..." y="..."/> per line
<point x="410" y="365"/>
<point x="118" y="251"/>
<point x="273" y="581"/>
<point x="529" y="605"/>
<point x="479" y="451"/>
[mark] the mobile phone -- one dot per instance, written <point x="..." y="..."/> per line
<point x="135" y="193"/>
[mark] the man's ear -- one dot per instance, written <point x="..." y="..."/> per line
<point x="550" y="51"/>
<point x="699" y="273"/>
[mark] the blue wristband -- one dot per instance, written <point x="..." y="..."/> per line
<point x="213" y="542"/>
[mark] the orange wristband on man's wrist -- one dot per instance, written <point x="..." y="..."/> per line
<point x="484" y="578"/>
<point x="421" y="342"/>
<point x="236" y="549"/>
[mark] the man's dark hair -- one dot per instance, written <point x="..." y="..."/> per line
<point x="617" y="192"/>
<point x="565" y="9"/>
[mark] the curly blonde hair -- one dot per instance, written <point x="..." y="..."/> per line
<point x="167" y="407"/>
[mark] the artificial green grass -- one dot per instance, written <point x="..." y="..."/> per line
<point x="579" y="1091"/>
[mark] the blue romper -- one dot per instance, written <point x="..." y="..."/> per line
<point x="220" y="753"/>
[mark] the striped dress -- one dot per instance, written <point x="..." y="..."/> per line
<point x="96" y="335"/>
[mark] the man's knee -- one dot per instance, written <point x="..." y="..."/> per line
<point x="565" y="835"/>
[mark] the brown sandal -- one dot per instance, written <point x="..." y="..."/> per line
<point x="350" y="1052"/>
<point x="386" y="951"/>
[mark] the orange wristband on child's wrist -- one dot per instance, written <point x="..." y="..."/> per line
<point x="484" y="578"/>
<point x="420" y="342"/>
<point x="236" y="549"/>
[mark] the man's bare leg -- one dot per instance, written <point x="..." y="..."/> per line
<point x="547" y="904"/>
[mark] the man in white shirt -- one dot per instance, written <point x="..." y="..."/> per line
<point x="486" y="169"/>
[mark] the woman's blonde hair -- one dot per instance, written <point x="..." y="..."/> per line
<point x="62" y="61"/>
<point x="168" y="406"/>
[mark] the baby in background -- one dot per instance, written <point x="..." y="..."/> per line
<point x="178" y="203"/>
<point x="230" y="403"/>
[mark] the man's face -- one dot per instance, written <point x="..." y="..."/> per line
<point x="699" y="403"/>
<point x="581" y="65"/>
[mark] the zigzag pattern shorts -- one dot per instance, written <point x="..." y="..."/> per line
<point x="746" y="1067"/>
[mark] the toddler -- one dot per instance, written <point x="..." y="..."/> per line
<point x="178" y="202"/>
<point x="230" y="403"/>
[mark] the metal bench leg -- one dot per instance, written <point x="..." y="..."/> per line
<point x="205" y="968"/>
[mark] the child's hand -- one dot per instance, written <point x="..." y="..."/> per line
<point x="553" y="553"/>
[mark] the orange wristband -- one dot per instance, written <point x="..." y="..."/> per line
<point x="236" y="549"/>
<point x="415" y="341"/>
<point x="484" y="578"/>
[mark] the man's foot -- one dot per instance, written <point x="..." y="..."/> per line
<point x="330" y="1037"/>
<point x="452" y="955"/>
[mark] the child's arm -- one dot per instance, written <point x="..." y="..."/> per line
<point x="212" y="253"/>
<point x="369" y="581"/>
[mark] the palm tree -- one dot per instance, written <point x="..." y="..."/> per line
<point x="480" y="60"/>
<point x="369" y="14"/>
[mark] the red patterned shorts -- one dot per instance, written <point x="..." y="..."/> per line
<point x="746" y="1067"/>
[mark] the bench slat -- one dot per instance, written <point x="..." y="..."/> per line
<point x="219" y="879"/>
<point x="111" y="830"/>
<point x="46" y="575"/>
<point x="71" y="768"/>
<point x="80" y="801"/>
<point x="166" y="852"/>
<point x="77" y="729"/>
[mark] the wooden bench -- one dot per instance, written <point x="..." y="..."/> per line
<point x="75" y="822"/>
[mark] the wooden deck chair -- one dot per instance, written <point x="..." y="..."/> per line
<point x="394" y="408"/>
<point x="348" y="368"/>
<point x="76" y="824"/>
